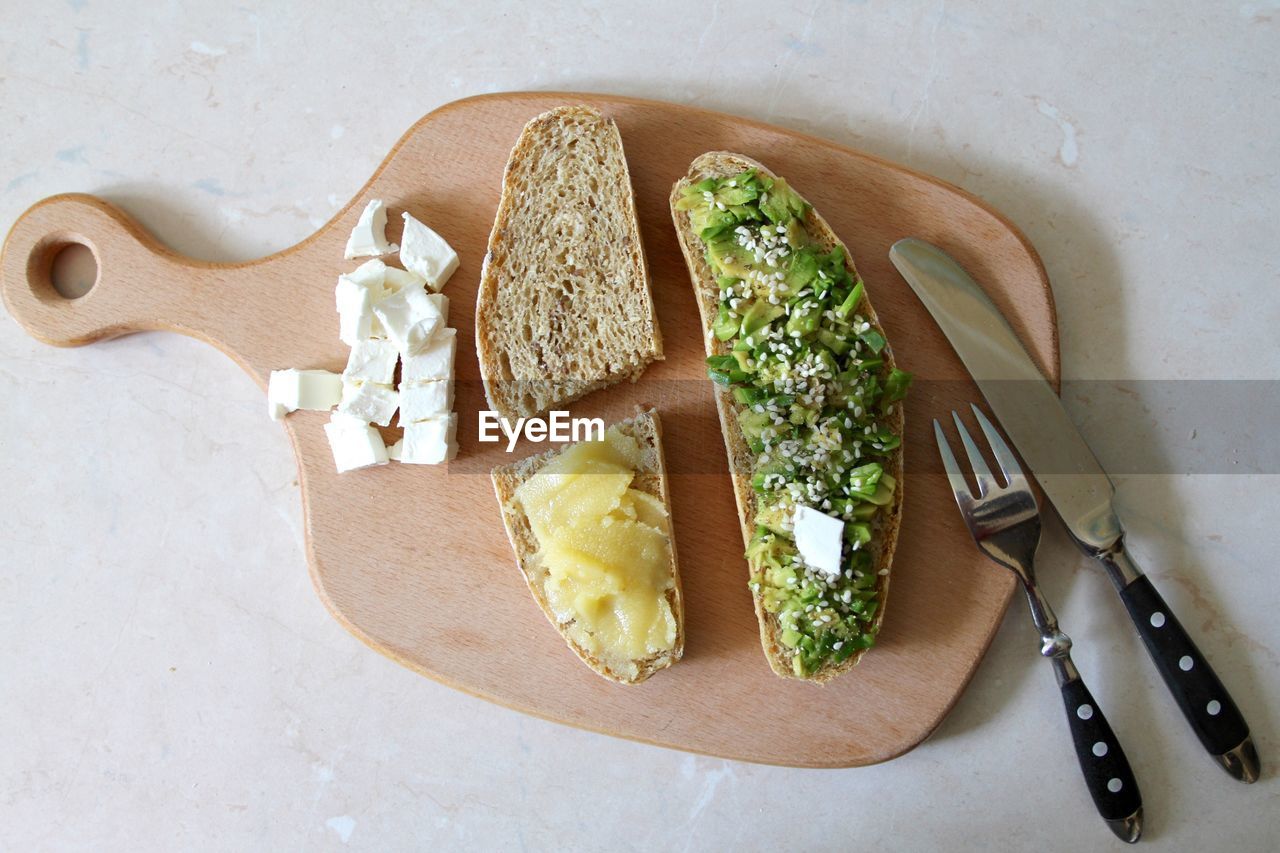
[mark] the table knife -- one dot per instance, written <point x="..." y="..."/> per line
<point x="1077" y="486"/>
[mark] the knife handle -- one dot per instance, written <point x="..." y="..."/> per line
<point x="1106" y="769"/>
<point x="1204" y="701"/>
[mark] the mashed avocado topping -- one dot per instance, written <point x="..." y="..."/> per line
<point x="807" y="370"/>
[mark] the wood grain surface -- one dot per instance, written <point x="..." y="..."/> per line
<point x="431" y="580"/>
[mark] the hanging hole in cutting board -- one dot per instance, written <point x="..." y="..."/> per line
<point x="73" y="269"/>
<point x="62" y="267"/>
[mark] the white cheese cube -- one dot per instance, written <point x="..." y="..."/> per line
<point x="423" y="400"/>
<point x="354" y="443"/>
<point x="430" y="442"/>
<point x="372" y="361"/>
<point x="397" y="279"/>
<point x="435" y="361"/>
<point x="290" y="390"/>
<point x="425" y="252"/>
<point x="371" y="273"/>
<point x="369" y="236"/>
<point x="442" y="305"/>
<point x="820" y="540"/>
<point x="409" y="318"/>
<point x="355" y="298"/>
<point x="369" y="402"/>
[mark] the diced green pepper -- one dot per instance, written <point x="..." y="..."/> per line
<point x="864" y="479"/>
<point x="895" y="387"/>
<point x="857" y="531"/>
<point x="851" y="301"/>
<point x="873" y="339"/>
<point x="725" y="326"/>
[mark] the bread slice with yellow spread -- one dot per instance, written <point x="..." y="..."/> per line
<point x="807" y="391"/>
<point x="564" y="305"/>
<point x="591" y="528"/>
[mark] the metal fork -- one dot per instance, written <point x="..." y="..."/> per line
<point x="1005" y="522"/>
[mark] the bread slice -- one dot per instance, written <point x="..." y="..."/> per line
<point x="651" y="477"/>
<point x="741" y="458"/>
<point x="564" y="305"/>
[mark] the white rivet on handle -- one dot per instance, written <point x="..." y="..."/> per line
<point x="1185" y="663"/>
<point x="1084" y="712"/>
<point x="1100" y="748"/>
<point x="1157" y="619"/>
<point x="1214" y="707"/>
<point x="1114" y="785"/>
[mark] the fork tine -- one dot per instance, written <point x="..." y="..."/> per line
<point x="1004" y="456"/>
<point x="949" y="464"/>
<point x="986" y="480"/>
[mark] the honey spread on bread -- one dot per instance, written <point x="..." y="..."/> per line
<point x="606" y="549"/>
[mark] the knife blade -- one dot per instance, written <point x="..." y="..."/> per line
<point x="1076" y="485"/>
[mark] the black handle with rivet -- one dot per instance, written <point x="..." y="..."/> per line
<point x="1205" y="703"/>
<point x="1106" y="768"/>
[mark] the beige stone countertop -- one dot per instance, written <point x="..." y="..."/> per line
<point x="168" y="678"/>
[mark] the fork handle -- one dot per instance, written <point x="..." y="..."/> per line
<point x="1106" y="769"/>
<point x="1204" y="701"/>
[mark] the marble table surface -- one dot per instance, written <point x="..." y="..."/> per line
<point x="168" y="679"/>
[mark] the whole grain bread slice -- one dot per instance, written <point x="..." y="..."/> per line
<point x="564" y="304"/>
<point x="651" y="477"/>
<point x="741" y="458"/>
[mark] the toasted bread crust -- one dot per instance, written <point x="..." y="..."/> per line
<point x="741" y="458"/>
<point x="651" y="477"/>
<point x="564" y="305"/>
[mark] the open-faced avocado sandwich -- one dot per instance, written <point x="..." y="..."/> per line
<point x="809" y="399"/>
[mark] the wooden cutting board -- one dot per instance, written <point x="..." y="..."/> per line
<point x="413" y="559"/>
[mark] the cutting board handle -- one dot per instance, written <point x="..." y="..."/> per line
<point x="139" y="284"/>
